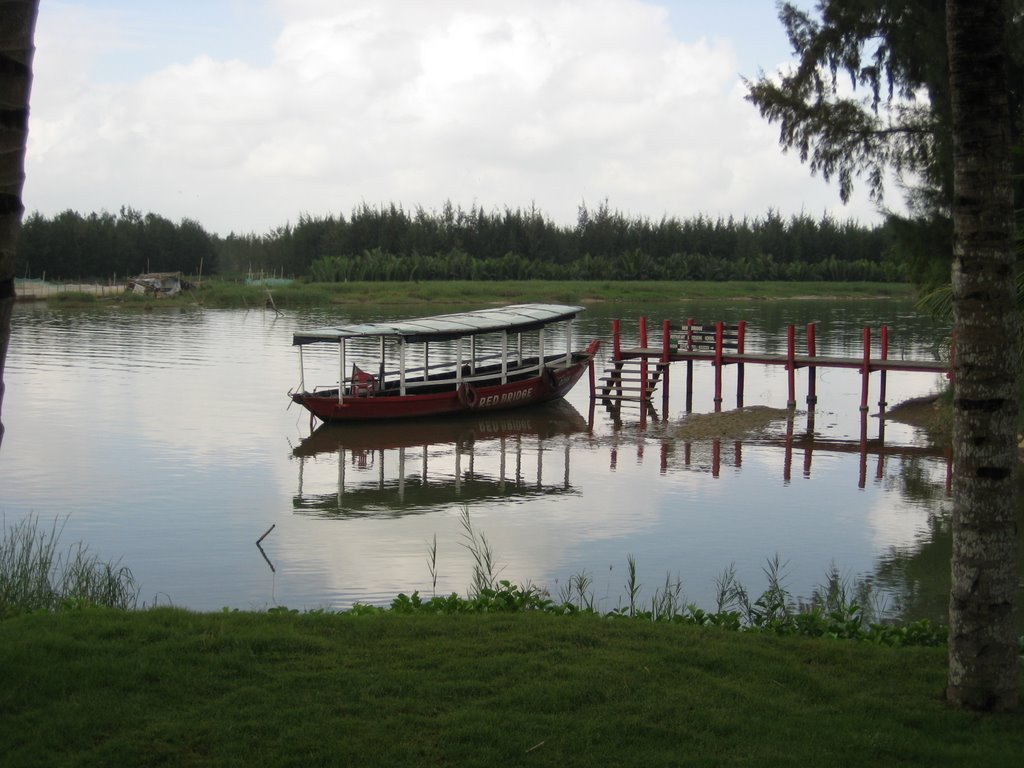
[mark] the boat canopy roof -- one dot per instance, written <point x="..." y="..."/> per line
<point x="515" y="318"/>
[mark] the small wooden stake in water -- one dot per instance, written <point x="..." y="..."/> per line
<point x="265" y="534"/>
<point x="260" y="539"/>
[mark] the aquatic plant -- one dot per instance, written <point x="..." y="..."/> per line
<point x="36" y="575"/>
<point x="484" y="575"/>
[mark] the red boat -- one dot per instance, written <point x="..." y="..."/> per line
<point x="490" y="359"/>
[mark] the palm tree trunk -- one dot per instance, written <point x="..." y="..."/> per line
<point x="17" y="30"/>
<point x="983" y="666"/>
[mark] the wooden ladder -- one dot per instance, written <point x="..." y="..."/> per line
<point x="623" y="382"/>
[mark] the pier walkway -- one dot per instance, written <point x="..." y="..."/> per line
<point x="636" y="372"/>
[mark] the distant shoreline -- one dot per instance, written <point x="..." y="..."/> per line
<point x="220" y="293"/>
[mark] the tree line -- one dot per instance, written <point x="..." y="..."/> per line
<point x="389" y="243"/>
<point x="103" y="245"/>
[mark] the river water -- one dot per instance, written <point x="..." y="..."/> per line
<point x="165" y="439"/>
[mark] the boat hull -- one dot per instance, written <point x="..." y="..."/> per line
<point x="456" y="399"/>
<point x="544" y="421"/>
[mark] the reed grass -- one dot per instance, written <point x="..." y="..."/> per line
<point x="578" y="594"/>
<point x="633" y="586"/>
<point x="35" y="574"/>
<point x="432" y="564"/>
<point x="485" y="576"/>
<point x="837" y="608"/>
<point x="72" y="298"/>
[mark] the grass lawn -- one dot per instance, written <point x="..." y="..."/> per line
<point x="169" y="687"/>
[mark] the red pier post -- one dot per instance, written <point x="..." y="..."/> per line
<point x="718" y="366"/>
<point x="689" y="366"/>
<point x="865" y="370"/>
<point x="666" y="352"/>
<point x="791" y="364"/>
<point x="885" y="356"/>
<point x="643" y="367"/>
<point x="740" y="335"/>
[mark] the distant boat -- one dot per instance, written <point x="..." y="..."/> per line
<point x="158" y="284"/>
<point x="465" y="362"/>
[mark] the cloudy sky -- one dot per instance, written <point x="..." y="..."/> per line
<point x="245" y="114"/>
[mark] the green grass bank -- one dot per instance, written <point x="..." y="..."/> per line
<point x="227" y="294"/>
<point x="168" y="687"/>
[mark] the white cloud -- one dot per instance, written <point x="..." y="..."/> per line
<point x="538" y="102"/>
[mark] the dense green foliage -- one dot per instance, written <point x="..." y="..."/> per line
<point x="769" y="614"/>
<point x="102" y="245"/>
<point x="868" y="96"/>
<point x="388" y="243"/>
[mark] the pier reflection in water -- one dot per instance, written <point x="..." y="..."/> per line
<point x="911" y="579"/>
<point x="398" y="468"/>
<point x="710" y="452"/>
<point x="803" y="447"/>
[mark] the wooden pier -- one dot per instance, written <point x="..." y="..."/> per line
<point x="636" y="372"/>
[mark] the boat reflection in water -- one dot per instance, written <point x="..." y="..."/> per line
<point x="399" y="468"/>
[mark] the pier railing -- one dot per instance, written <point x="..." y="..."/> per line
<point x="636" y="372"/>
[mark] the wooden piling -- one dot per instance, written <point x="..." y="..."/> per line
<point x="865" y="370"/>
<point x="666" y="358"/>
<point x="689" y="366"/>
<point x="885" y="356"/>
<point x="741" y="332"/>
<point x="812" y="371"/>
<point x="593" y="381"/>
<point x="644" y="381"/>
<point x="791" y="364"/>
<point x="718" y="366"/>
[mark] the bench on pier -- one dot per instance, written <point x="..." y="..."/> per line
<point x="709" y="336"/>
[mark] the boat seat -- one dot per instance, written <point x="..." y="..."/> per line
<point x="364" y="384"/>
